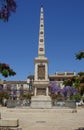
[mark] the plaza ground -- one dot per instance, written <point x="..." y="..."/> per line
<point x="46" y="119"/>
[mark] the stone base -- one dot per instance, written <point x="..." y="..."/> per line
<point x="41" y="102"/>
<point x="10" y="128"/>
<point x="9" y="122"/>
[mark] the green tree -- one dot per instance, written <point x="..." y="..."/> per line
<point x="80" y="55"/>
<point x="6" y="71"/>
<point x="6" y="8"/>
<point x="77" y="82"/>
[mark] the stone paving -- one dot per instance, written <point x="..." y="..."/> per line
<point x="46" y="119"/>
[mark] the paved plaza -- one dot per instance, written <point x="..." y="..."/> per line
<point x="46" y="119"/>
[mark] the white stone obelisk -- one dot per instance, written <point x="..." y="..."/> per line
<point x="41" y="98"/>
<point x="41" y="80"/>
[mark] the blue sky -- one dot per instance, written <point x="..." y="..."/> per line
<point x="64" y="36"/>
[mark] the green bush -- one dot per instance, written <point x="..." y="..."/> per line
<point x="76" y="97"/>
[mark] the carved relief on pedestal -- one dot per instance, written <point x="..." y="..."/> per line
<point x="41" y="91"/>
<point x="41" y="71"/>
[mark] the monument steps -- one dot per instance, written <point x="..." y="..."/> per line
<point x="41" y="102"/>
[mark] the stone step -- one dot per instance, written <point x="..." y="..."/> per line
<point x="9" y="122"/>
<point x="10" y="128"/>
<point x="18" y="128"/>
<point x="41" y="102"/>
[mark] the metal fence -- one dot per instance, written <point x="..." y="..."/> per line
<point x="56" y="103"/>
<point x="63" y="103"/>
<point x="18" y="103"/>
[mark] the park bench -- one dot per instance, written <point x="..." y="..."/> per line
<point x="9" y="124"/>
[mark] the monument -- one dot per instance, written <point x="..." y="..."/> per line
<point x="41" y="97"/>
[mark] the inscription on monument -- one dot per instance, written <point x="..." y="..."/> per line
<point x="41" y="71"/>
<point x="41" y="91"/>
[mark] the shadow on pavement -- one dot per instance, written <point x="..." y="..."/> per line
<point x="81" y="128"/>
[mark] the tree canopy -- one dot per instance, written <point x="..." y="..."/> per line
<point x="6" y="71"/>
<point x="80" y="55"/>
<point x="76" y="81"/>
<point x="7" y="7"/>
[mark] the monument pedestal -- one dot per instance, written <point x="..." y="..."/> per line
<point x="41" y="102"/>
